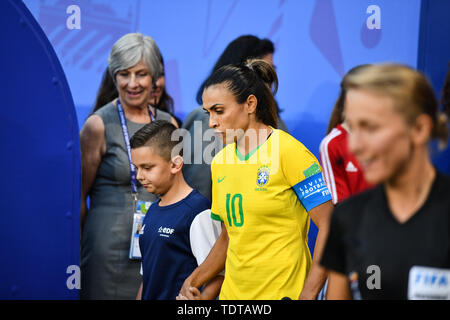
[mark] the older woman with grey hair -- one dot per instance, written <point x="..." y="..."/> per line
<point x="108" y="267"/>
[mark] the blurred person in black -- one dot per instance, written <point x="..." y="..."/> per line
<point x="385" y="242"/>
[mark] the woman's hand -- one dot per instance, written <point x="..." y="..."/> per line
<point x="193" y="294"/>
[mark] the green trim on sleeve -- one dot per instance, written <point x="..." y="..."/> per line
<point x="215" y="217"/>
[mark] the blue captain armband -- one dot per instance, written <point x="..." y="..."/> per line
<point x="312" y="191"/>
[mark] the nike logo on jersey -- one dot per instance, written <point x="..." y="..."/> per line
<point x="219" y="180"/>
<point x="351" y="167"/>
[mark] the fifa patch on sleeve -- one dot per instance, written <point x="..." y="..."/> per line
<point x="312" y="191"/>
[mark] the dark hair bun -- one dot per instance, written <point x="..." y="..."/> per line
<point x="265" y="72"/>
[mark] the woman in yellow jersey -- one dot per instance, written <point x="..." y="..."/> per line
<point x="265" y="187"/>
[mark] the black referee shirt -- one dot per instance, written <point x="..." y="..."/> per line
<point x="376" y="252"/>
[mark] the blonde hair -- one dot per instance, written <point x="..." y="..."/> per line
<point x="410" y="89"/>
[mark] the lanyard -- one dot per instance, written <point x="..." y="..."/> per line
<point x="123" y="124"/>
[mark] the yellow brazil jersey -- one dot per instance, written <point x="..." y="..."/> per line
<point x="263" y="199"/>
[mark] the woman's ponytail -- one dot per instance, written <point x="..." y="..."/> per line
<point x="255" y="77"/>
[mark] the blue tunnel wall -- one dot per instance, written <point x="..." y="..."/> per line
<point x="434" y="59"/>
<point x="40" y="184"/>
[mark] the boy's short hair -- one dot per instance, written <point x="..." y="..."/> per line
<point x="156" y="134"/>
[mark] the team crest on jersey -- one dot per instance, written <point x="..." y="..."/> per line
<point x="262" y="177"/>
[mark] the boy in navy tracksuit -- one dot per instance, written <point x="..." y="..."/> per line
<point x="177" y="232"/>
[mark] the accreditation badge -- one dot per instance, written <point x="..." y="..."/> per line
<point x="427" y="283"/>
<point x="138" y="219"/>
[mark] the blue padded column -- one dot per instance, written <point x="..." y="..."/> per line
<point x="40" y="161"/>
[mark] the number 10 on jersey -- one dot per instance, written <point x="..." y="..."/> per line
<point x="231" y="214"/>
